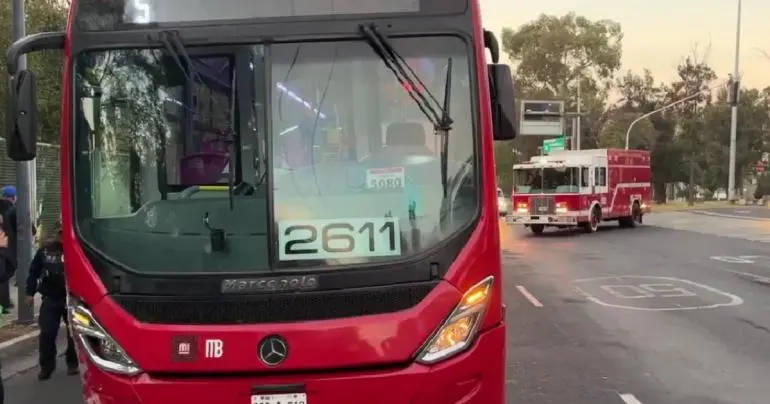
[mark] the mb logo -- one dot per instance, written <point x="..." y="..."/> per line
<point x="214" y="348"/>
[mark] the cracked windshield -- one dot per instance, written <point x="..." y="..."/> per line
<point x="385" y="202"/>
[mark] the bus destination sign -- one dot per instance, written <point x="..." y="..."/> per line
<point x="95" y="15"/>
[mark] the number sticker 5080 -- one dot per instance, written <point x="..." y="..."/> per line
<point x="385" y="178"/>
<point x="338" y="238"/>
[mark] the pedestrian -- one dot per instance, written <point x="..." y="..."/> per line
<point x="46" y="276"/>
<point x="3" y="244"/>
<point x="7" y="253"/>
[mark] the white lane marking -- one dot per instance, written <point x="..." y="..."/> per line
<point x="532" y="299"/>
<point x="752" y="276"/>
<point x="734" y="300"/>
<point x="743" y="259"/>
<point x="629" y="399"/>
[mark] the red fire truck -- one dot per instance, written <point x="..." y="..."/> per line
<point x="216" y="253"/>
<point x="581" y="188"/>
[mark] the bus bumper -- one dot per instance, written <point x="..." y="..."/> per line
<point x="474" y="377"/>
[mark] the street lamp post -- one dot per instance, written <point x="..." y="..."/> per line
<point x="26" y="194"/>
<point x="577" y="121"/>
<point x="734" y="101"/>
<point x="665" y="107"/>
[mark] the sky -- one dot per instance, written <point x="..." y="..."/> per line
<point x="658" y="34"/>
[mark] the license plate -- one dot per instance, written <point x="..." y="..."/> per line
<point x="293" y="398"/>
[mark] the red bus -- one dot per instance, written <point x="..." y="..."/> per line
<point x="252" y="215"/>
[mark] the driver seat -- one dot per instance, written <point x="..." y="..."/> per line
<point x="405" y="139"/>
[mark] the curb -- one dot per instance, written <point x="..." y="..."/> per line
<point x="18" y="346"/>
<point x="19" y="354"/>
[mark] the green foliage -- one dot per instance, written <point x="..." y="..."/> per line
<point x="42" y="15"/>
<point x="552" y="54"/>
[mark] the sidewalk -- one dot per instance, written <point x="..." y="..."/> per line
<point x="10" y="319"/>
<point x="16" y="339"/>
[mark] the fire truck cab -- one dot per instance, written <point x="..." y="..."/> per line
<point x="581" y="188"/>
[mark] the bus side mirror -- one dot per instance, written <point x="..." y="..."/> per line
<point x="503" y="101"/>
<point x="22" y="117"/>
<point x="22" y="100"/>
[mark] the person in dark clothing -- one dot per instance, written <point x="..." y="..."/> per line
<point x="10" y="226"/>
<point x="46" y="276"/>
<point x="3" y="244"/>
<point x="7" y="253"/>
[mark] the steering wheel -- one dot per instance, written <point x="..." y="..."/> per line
<point x="189" y="191"/>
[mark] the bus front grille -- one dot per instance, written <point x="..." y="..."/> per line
<point x="274" y="308"/>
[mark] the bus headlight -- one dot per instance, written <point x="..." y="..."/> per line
<point x="101" y="348"/>
<point x="459" y="330"/>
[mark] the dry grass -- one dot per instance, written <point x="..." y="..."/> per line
<point x="677" y="206"/>
<point x="10" y="331"/>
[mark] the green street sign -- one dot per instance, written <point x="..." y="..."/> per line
<point x="552" y="145"/>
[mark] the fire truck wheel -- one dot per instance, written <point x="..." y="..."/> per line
<point x="537" y="229"/>
<point x="634" y="219"/>
<point x="592" y="225"/>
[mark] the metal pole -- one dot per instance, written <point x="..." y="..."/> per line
<point x="577" y="119"/>
<point x="734" y="117"/>
<point x="26" y="312"/>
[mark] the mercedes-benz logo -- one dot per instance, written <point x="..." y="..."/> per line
<point x="273" y="350"/>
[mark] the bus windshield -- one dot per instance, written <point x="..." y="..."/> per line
<point x="551" y="180"/>
<point x="266" y="157"/>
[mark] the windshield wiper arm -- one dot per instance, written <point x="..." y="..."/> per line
<point x="437" y="114"/>
<point x="405" y="75"/>
<point x="445" y="125"/>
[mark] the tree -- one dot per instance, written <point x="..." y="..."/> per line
<point x="638" y="95"/>
<point x="551" y="54"/>
<point x="42" y="15"/>
<point x="753" y="135"/>
<point x="695" y="77"/>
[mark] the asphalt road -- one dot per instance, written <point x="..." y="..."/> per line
<point x="748" y="212"/>
<point x="60" y="389"/>
<point x="646" y="315"/>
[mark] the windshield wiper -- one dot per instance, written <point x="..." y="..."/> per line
<point x="435" y="112"/>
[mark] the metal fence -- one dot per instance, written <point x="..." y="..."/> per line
<point x="48" y="180"/>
